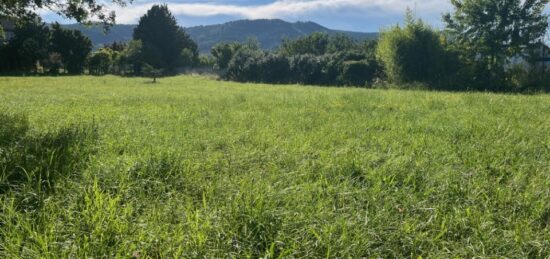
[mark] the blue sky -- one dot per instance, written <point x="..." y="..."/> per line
<point x="354" y="15"/>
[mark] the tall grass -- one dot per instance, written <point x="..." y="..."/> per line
<point x="192" y="167"/>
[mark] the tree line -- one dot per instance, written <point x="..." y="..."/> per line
<point x="159" y="46"/>
<point x="478" y="49"/>
<point x="475" y="51"/>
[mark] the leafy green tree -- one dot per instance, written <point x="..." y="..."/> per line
<point x="487" y="33"/>
<point x="151" y="72"/>
<point x="206" y="61"/>
<point x="132" y="57"/>
<point x="188" y="58"/>
<point x="163" y="40"/>
<point x="100" y="62"/>
<point x="116" y="46"/>
<point x="413" y="53"/>
<point x="244" y="66"/>
<point x="315" y="44"/>
<point x="252" y="43"/>
<point x="29" y="44"/>
<point x="224" y="52"/>
<point x="341" y="42"/>
<point x="359" y="73"/>
<point x="73" y="47"/>
<point x="80" y="10"/>
<point x="306" y="69"/>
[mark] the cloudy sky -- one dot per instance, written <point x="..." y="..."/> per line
<point x="355" y="15"/>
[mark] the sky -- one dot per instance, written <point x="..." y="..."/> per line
<point x="352" y="15"/>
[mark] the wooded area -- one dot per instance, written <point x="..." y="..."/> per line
<point x="485" y="45"/>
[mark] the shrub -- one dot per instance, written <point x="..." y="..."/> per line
<point x="274" y="68"/>
<point x="413" y="53"/>
<point x="100" y="62"/>
<point x="244" y="66"/>
<point x="358" y="73"/>
<point x="305" y="69"/>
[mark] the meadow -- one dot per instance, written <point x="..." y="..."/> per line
<point x="192" y="167"/>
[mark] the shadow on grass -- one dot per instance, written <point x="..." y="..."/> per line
<point x="35" y="162"/>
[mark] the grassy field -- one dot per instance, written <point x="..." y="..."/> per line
<point x="193" y="167"/>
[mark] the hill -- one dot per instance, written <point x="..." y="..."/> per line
<point x="119" y="32"/>
<point x="269" y="33"/>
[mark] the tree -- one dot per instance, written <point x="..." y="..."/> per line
<point x="315" y="44"/>
<point x="341" y="42"/>
<point x="132" y="56"/>
<point x="244" y="66"/>
<point x="82" y="10"/>
<point x="358" y="73"/>
<point x="151" y="72"/>
<point x="224" y="52"/>
<point x="100" y="62"/>
<point x="29" y="45"/>
<point x="116" y="46"/>
<point x="163" y="40"/>
<point x="72" y="46"/>
<point x="413" y="53"/>
<point x="487" y="33"/>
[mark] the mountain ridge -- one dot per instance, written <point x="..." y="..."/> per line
<point x="269" y="32"/>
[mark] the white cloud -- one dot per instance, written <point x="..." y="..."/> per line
<point x="283" y="8"/>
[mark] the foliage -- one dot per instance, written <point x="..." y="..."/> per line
<point x="72" y="46"/>
<point x="163" y="40"/>
<point x="306" y="69"/>
<point x="224" y="52"/>
<point x="29" y="45"/>
<point x="81" y="11"/>
<point x="133" y="56"/>
<point x="188" y="58"/>
<point x="489" y="33"/>
<point x="359" y="73"/>
<point x="313" y="59"/>
<point x="100" y="62"/>
<point x="314" y="44"/>
<point x="244" y="66"/>
<point x="116" y="46"/>
<point x="152" y="72"/>
<point x="413" y="53"/>
<point x="195" y="167"/>
<point x="206" y="61"/>
<point x="341" y="68"/>
<point x="318" y="44"/>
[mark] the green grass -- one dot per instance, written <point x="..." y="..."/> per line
<point x="192" y="167"/>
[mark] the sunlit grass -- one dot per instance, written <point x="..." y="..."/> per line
<point x="193" y="167"/>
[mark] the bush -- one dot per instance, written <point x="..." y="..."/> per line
<point x="244" y="66"/>
<point x="358" y="73"/>
<point x="224" y="52"/>
<point x="274" y="69"/>
<point x="305" y="69"/>
<point x="414" y="53"/>
<point x="342" y="68"/>
<point x="100" y="62"/>
<point x="188" y="58"/>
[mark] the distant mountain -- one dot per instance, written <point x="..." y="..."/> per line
<point x="119" y="32"/>
<point x="269" y="33"/>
